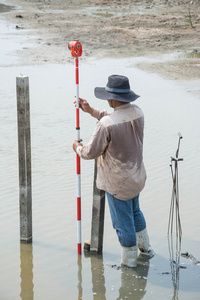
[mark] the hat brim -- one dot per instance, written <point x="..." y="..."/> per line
<point x="101" y="93"/>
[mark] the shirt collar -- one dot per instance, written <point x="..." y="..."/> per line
<point x="123" y="106"/>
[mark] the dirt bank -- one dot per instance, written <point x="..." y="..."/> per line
<point x="115" y="29"/>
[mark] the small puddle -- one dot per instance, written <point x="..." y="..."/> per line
<point x="5" y="8"/>
<point x="104" y="15"/>
<point x="193" y="54"/>
<point x="109" y="11"/>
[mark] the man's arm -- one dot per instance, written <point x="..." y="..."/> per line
<point x="96" y="113"/>
<point x="96" y="146"/>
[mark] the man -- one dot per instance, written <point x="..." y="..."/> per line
<point x="117" y="142"/>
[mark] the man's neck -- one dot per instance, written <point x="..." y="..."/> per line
<point x="115" y="103"/>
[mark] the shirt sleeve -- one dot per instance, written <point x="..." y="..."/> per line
<point x="98" y="114"/>
<point x="97" y="144"/>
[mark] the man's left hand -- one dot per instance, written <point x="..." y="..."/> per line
<point x="76" y="144"/>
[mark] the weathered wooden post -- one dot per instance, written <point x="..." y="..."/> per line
<point x="98" y="210"/>
<point x="24" y="154"/>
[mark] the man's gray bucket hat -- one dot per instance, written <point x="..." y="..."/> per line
<point x="117" y="88"/>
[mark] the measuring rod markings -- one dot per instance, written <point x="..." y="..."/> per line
<point x="76" y="51"/>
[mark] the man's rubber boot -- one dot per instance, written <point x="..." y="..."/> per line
<point x="143" y="243"/>
<point x="129" y="256"/>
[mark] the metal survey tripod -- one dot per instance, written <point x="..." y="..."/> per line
<point x="174" y="208"/>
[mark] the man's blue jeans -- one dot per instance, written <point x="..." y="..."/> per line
<point x="127" y="219"/>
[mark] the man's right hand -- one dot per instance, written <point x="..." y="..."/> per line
<point x="84" y="105"/>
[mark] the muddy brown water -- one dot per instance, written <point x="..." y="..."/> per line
<point x="49" y="268"/>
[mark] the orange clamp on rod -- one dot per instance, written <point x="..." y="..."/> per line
<point x="76" y="48"/>
<point x="76" y="52"/>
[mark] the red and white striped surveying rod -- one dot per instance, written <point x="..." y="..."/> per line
<point x="76" y="51"/>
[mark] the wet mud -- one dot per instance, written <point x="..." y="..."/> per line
<point x="114" y="29"/>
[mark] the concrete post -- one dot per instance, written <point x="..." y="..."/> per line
<point x="98" y="210"/>
<point x="24" y="154"/>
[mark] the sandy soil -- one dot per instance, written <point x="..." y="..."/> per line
<point x="167" y="31"/>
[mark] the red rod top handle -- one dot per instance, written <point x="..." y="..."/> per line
<point x="76" y="48"/>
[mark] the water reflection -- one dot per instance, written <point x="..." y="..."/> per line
<point x="26" y="258"/>
<point x="98" y="278"/>
<point x="134" y="281"/>
<point x="174" y="256"/>
<point x="80" y="289"/>
<point x="175" y="279"/>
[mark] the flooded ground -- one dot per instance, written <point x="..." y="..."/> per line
<point x="49" y="267"/>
